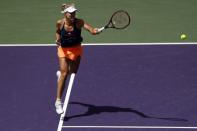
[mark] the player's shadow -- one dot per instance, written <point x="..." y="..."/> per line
<point x="95" y="110"/>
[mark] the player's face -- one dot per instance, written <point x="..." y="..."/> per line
<point x="70" y="16"/>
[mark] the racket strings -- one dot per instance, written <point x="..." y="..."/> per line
<point x="120" y="20"/>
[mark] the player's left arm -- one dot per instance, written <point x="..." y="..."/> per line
<point x="89" y="28"/>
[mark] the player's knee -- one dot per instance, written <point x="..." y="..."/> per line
<point x="64" y="74"/>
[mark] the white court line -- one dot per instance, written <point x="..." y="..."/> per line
<point x="133" y="127"/>
<point x="61" y="121"/>
<point x="103" y="44"/>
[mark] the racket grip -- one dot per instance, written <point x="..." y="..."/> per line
<point x="101" y="29"/>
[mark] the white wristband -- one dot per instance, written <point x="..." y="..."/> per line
<point x="101" y="29"/>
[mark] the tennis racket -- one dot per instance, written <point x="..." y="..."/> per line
<point x="119" y="20"/>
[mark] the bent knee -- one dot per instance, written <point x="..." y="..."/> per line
<point x="64" y="73"/>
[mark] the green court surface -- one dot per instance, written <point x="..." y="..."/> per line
<point x="33" y="21"/>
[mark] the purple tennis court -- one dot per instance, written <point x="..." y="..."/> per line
<point x="120" y="87"/>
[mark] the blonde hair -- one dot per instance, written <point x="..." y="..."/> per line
<point x="64" y="6"/>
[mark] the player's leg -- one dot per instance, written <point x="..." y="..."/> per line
<point x="64" y="69"/>
<point x="74" y="65"/>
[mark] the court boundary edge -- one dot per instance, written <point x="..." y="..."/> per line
<point x="103" y="44"/>
<point x="133" y="127"/>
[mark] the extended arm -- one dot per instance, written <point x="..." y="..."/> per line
<point x="89" y="28"/>
<point x="92" y="30"/>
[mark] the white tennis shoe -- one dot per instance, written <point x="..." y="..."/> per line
<point x="58" y="106"/>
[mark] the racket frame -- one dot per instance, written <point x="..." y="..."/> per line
<point x="110" y="23"/>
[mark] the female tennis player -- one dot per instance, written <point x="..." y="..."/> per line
<point x="68" y="40"/>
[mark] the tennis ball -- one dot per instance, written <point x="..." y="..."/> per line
<point x="183" y="36"/>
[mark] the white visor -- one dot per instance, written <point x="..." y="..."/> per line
<point x="70" y="9"/>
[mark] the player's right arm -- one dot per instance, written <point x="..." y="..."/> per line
<point x="57" y="33"/>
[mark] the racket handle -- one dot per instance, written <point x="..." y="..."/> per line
<point x="101" y="29"/>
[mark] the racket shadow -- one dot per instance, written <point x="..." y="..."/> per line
<point x="96" y="110"/>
